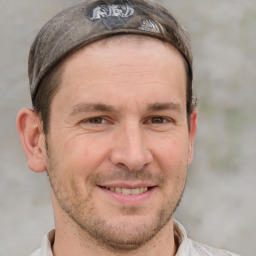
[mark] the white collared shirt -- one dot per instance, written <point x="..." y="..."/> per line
<point x="187" y="247"/>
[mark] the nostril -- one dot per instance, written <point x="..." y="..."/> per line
<point x="130" y="154"/>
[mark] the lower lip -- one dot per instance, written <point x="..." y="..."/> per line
<point x="129" y="199"/>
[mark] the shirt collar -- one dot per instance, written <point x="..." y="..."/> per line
<point x="46" y="246"/>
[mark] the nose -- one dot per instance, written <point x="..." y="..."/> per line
<point x="130" y="149"/>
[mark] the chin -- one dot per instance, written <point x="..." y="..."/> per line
<point x="125" y="233"/>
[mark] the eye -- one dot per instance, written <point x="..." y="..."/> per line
<point x="95" y="124"/>
<point x="96" y="120"/>
<point x="158" y="120"/>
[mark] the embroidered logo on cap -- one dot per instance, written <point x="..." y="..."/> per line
<point x="113" y="10"/>
<point x="149" y="25"/>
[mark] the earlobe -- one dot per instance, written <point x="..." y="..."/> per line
<point x="192" y="133"/>
<point x="32" y="137"/>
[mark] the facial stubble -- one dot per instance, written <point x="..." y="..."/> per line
<point x="87" y="220"/>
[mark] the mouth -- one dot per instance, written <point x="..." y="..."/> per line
<point x="126" y="194"/>
<point x="127" y="191"/>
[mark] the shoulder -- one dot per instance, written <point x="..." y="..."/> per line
<point x="36" y="253"/>
<point x="205" y="250"/>
<point x="45" y="249"/>
<point x="190" y="247"/>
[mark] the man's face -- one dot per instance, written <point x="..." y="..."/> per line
<point x="119" y="143"/>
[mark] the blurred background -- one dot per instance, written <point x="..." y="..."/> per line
<point x="219" y="204"/>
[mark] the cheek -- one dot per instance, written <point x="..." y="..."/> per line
<point x="84" y="154"/>
<point x="171" y="155"/>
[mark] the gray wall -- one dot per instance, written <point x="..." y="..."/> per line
<point x="219" y="205"/>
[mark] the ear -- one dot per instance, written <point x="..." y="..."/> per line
<point x="32" y="137"/>
<point x="192" y="134"/>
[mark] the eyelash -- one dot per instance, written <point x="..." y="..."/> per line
<point x="162" y="120"/>
<point x="90" y="120"/>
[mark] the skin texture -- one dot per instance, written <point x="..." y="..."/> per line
<point x="118" y="120"/>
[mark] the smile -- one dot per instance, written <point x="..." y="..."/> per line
<point x="127" y="191"/>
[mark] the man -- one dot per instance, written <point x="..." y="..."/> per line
<point x="113" y="125"/>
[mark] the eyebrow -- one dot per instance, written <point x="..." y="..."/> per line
<point x="90" y="107"/>
<point x="164" y="106"/>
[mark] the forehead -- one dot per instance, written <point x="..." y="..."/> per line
<point x="122" y="63"/>
<point x="125" y="44"/>
<point x="121" y="53"/>
<point x="125" y="50"/>
<point x="125" y="40"/>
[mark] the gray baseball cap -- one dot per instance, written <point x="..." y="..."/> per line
<point x="93" y="20"/>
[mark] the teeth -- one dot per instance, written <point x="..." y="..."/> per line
<point x="118" y="190"/>
<point x="127" y="191"/>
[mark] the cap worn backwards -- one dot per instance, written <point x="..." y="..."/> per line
<point x="92" y="20"/>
